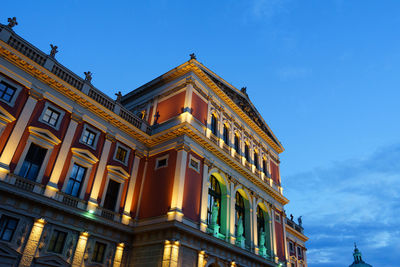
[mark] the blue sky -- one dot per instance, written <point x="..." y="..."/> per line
<point x="324" y="75"/>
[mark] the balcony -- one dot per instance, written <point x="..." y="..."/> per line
<point x="25" y="184"/>
<point x="294" y="225"/>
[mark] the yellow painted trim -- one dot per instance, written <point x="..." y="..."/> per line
<point x="295" y="233"/>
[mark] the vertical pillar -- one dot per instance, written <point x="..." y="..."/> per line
<point x="32" y="243"/>
<point x="171" y="254"/>
<point x="118" y="255"/>
<point x="80" y="249"/>
<point x="201" y="259"/>
<point x="188" y="95"/>
<point x="51" y="187"/>
<point x="154" y="110"/>
<point x="283" y="221"/>
<point x="15" y="137"/>
<point x="92" y="203"/>
<point x="204" y="196"/>
<point x="131" y="188"/>
<point x="232" y="214"/>
<point x="179" y="183"/>
<point x="255" y="230"/>
<point x="273" y="236"/>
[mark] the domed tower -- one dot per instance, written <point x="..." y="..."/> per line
<point x="358" y="262"/>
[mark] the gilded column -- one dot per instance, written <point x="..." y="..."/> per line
<point x="118" y="255"/>
<point x="232" y="214"/>
<point x="255" y="230"/>
<point x="179" y="183"/>
<point x="15" y="137"/>
<point x="92" y="203"/>
<point x="80" y="249"/>
<point x="201" y="259"/>
<point x="171" y="254"/>
<point x="32" y="243"/>
<point x="131" y="187"/>
<point x="51" y="187"/>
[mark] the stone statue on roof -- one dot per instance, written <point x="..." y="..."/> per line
<point x="119" y="97"/>
<point x="53" y="51"/>
<point x="192" y="56"/>
<point x="300" y="221"/>
<point x="88" y="76"/>
<point x="12" y="22"/>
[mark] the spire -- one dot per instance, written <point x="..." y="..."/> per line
<point x="357" y="255"/>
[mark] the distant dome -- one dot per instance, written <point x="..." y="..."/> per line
<point x="358" y="262"/>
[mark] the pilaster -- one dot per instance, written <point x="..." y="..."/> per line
<point x="204" y="196"/>
<point x="80" y="249"/>
<point x="32" y="243"/>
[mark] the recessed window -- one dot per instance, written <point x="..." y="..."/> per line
<point x="57" y="242"/>
<point x="226" y="134"/>
<point x="121" y="154"/>
<point x="277" y="218"/>
<point x="7" y="91"/>
<point x="214" y="125"/>
<point x="291" y="246"/>
<point x="8" y="225"/>
<point x="265" y="167"/>
<point x="247" y="152"/>
<point x="88" y="137"/>
<point x="98" y="252"/>
<point x="299" y="252"/>
<point x="111" y="197"/>
<point x="76" y="180"/>
<point x="237" y="146"/>
<point x="162" y="162"/>
<point x="194" y="164"/>
<point x="33" y="161"/>
<point x="256" y="160"/>
<point x="51" y="116"/>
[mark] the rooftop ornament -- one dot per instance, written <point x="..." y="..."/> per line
<point x="88" y="76"/>
<point x="119" y="97"/>
<point x="53" y="51"/>
<point x="12" y="22"/>
<point x="300" y="221"/>
<point x="192" y="56"/>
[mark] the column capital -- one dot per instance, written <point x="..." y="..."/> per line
<point x="139" y="153"/>
<point x="110" y="137"/>
<point x="208" y="162"/>
<point x="35" y="94"/>
<point x="76" y="117"/>
<point x="183" y="146"/>
<point x="189" y="80"/>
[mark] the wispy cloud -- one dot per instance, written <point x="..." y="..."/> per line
<point x="352" y="200"/>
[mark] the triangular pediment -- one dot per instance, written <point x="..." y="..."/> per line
<point x="241" y="99"/>
<point x="44" y="134"/>
<point x="84" y="154"/>
<point x="117" y="170"/>
<point x="50" y="261"/>
<point x="6" y="116"/>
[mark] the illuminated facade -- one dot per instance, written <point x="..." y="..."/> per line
<point x="182" y="171"/>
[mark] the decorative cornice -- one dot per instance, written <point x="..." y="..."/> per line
<point x="296" y="233"/>
<point x="35" y="94"/>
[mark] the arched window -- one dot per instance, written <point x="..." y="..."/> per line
<point x="239" y="210"/>
<point x="256" y="160"/>
<point x="214" y="195"/>
<point x="226" y="134"/>
<point x="214" y="125"/>
<point x="237" y="147"/>
<point x="246" y="152"/>
<point x="260" y="222"/>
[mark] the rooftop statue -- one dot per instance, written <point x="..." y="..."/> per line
<point x="300" y="221"/>
<point x="12" y="22"/>
<point x="53" y="51"/>
<point x="88" y="76"/>
<point x="119" y="97"/>
<point x="192" y="56"/>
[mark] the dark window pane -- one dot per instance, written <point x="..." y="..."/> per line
<point x="33" y="161"/>
<point x="8" y="225"/>
<point x="98" y="252"/>
<point x="6" y="91"/>
<point x="75" y="181"/>
<point x="111" y="195"/>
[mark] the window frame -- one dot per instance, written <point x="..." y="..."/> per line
<point x="81" y="183"/>
<point x="128" y="150"/>
<point x="86" y="127"/>
<point x="236" y="145"/>
<point x="2" y="231"/>
<point x="96" y="255"/>
<point x="192" y="158"/>
<point x="225" y="134"/>
<point x="214" y="124"/>
<point x="52" y="250"/>
<point x="17" y="87"/>
<point x="61" y="113"/>
<point x="159" y="159"/>
<point x="215" y="196"/>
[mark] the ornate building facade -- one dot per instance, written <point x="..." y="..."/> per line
<point x="182" y="171"/>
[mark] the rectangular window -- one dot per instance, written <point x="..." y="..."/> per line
<point x="111" y="195"/>
<point x="75" y="181"/>
<point x="51" y="116"/>
<point x="88" y="137"/>
<point x="299" y="252"/>
<point x="6" y="91"/>
<point x="121" y="154"/>
<point x="226" y="135"/>
<point x="33" y="161"/>
<point x="291" y="247"/>
<point x="57" y="241"/>
<point x="8" y="225"/>
<point x="237" y="144"/>
<point x="162" y="162"/>
<point x="99" y="251"/>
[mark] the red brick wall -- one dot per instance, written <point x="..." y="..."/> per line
<point x="171" y="107"/>
<point x="199" y="108"/>
<point x="192" y="191"/>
